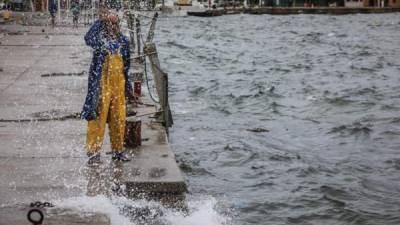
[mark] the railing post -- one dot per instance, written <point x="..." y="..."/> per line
<point x="131" y="33"/>
<point x="137" y="34"/>
<point x="166" y="111"/>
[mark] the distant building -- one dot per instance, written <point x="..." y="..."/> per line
<point x="354" y="3"/>
<point x="40" y="5"/>
<point x="381" y="3"/>
<point x="17" y="5"/>
<point x="394" y="3"/>
<point x="310" y="3"/>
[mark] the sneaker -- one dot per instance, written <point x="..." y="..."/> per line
<point x="94" y="159"/>
<point x="120" y="156"/>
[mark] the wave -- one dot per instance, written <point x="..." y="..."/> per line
<point x="356" y="128"/>
<point x="123" y="211"/>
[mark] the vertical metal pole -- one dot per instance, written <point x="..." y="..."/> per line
<point x="86" y="12"/>
<point x="32" y="6"/>
<point x="83" y="11"/>
<point x="138" y="34"/>
<point x="165" y="107"/>
<point x="59" y="9"/>
<point x="164" y="93"/>
<point x="131" y="33"/>
<point x="92" y="1"/>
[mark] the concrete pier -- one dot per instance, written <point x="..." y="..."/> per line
<point x="42" y="141"/>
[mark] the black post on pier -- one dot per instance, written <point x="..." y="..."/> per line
<point x="138" y="32"/>
<point x="131" y="30"/>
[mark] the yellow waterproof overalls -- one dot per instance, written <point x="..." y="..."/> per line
<point x="111" y="107"/>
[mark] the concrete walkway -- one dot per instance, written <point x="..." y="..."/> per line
<point x="43" y="77"/>
<point x="43" y="18"/>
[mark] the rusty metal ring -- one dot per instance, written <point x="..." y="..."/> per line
<point x="35" y="222"/>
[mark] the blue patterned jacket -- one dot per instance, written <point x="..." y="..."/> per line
<point x="96" y="39"/>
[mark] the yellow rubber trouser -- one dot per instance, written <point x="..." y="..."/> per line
<point x="111" y="107"/>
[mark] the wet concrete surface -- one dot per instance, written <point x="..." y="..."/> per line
<point x="53" y="216"/>
<point x="46" y="160"/>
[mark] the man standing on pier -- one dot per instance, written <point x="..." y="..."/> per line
<point x="53" y="11"/>
<point x="108" y="84"/>
<point x="75" y="9"/>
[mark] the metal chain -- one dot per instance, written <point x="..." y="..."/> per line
<point x="41" y="204"/>
<point x="147" y="83"/>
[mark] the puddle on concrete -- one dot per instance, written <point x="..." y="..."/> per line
<point x="15" y="33"/>
<point x="63" y="74"/>
<point x="55" y="114"/>
<point x="49" y="115"/>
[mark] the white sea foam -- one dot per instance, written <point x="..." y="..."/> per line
<point x="98" y="204"/>
<point x="201" y="212"/>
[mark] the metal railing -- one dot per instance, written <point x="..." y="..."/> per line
<point x="161" y="83"/>
<point x="149" y="51"/>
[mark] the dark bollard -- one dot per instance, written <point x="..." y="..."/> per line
<point x="138" y="88"/>
<point x="133" y="132"/>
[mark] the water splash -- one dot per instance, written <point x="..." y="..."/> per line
<point x="123" y="211"/>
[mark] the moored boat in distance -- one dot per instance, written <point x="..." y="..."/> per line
<point x="207" y="13"/>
